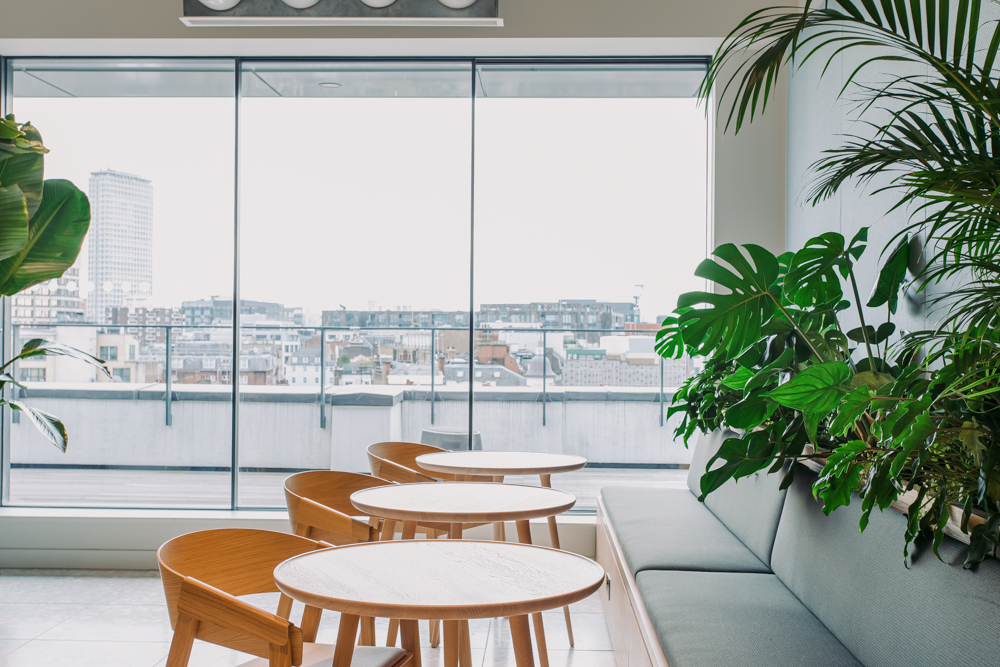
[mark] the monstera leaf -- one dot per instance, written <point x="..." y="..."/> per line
<point x="891" y="276"/>
<point x="55" y="235"/>
<point x="812" y="276"/>
<point x="731" y="322"/>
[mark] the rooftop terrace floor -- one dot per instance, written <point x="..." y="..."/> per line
<point x="186" y="489"/>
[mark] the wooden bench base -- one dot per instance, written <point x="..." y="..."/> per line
<point x="632" y="634"/>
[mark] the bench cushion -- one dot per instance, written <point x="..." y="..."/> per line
<point x="886" y="614"/>
<point x="733" y="618"/>
<point x="749" y="507"/>
<point x="661" y="528"/>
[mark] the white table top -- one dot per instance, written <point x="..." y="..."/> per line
<point x="462" y="502"/>
<point x="445" y="579"/>
<point x="500" y="463"/>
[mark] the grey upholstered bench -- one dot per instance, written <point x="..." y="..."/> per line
<point x="758" y="576"/>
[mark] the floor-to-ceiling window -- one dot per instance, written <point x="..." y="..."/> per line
<point x="408" y="236"/>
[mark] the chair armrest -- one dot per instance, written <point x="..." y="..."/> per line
<point x="205" y="603"/>
<point x="311" y="513"/>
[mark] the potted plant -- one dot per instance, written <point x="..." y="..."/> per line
<point x="42" y="227"/>
<point x="890" y="415"/>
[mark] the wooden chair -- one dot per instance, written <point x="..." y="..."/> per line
<point x="319" y="507"/>
<point x="397" y="462"/>
<point x="204" y="572"/>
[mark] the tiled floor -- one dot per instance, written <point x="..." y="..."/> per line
<point x="118" y="619"/>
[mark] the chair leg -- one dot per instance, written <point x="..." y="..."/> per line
<point x="180" y="646"/>
<point x="388" y="529"/>
<point x="280" y="656"/>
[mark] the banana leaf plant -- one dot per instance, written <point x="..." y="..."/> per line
<point x="42" y="227"/>
<point x="887" y="413"/>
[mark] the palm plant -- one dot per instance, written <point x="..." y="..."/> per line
<point x="915" y="419"/>
<point x="42" y="227"/>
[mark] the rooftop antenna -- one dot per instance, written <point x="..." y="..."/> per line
<point x="639" y="288"/>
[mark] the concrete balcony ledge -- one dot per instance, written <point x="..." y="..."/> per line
<point x="351" y="395"/>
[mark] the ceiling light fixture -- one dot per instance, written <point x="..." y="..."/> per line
<point x="378" y="4"/>
<point x="330" y="84"/>
<point x="220" y="5"/>
<point x="457" y="4"/>
<point x="300" y="4"/>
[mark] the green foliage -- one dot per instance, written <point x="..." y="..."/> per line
<point x="42" y="227"/>
<point x="885" y="413"/>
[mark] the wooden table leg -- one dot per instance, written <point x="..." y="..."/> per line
<point x="434" y="630"/>
<point x="388" y="530"/>
<point x="451" y="643"/>
<point x="410" y="634"/>
<point x="499" y="534"/>
<point x="524" y="537"/>
<point x="454" y="531"/>
<point x="367" y="635"/>
<point x="464" y="645"/>
<point x="554" y="536"/>
<point x="521" y="635"/>
<point x="310" y="623"/>
<point x="409" y="530"/>
<point x="346" y="635"/>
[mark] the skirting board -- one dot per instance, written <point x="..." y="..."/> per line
<point x="128" y="539"/>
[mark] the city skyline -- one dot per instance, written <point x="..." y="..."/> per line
<point x="573" y="197"/>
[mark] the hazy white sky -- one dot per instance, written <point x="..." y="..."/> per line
<point x="365" y="201"/>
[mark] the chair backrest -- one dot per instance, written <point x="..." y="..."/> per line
<point x="238" y="561"/>
<point x="397" y="462"/>
<point x="319" y="506"/>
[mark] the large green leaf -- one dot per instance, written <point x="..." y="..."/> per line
<point x="813" y="274"/>
<point x="891" y="277"/>
<point x="818" y="388"/>
<point x="47" y="424"/>
<point x="13" y="221"/>
<point x="39" y="347"/>
<point x="22" y="161"/>
<point x="55" y="234"/>
<point x="730" y="322"/>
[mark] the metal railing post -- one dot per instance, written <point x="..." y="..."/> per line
<point x="322" y="378"/>
<point x="168" y="396"/>
<point x="433" y="371"/>
<point x="661" y="391"/>
<point x="545" y="374"/>
<point x="15" y="347"/>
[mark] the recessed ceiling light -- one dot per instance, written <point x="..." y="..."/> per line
<point x="330" y="84"/>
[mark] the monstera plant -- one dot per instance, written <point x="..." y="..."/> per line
<point x="891" y="416"/>
<point x="42" y="227"/>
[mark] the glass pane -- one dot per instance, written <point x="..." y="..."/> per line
<point x="591" y="192"/>
<point x="355" y="250"/>
<point x="152" y="143"/>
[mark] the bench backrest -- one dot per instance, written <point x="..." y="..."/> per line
<point x="749" y="507"/>
<point x="885" y="614"/>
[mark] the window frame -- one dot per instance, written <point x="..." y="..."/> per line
<point x="466" y="321"/>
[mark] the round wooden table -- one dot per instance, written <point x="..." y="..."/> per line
<point x="501" y="464"/>
<point x="454" y="580"/>
<point x="458" y="503"/>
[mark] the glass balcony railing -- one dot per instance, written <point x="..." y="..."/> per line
<point x="164" y="430"/>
